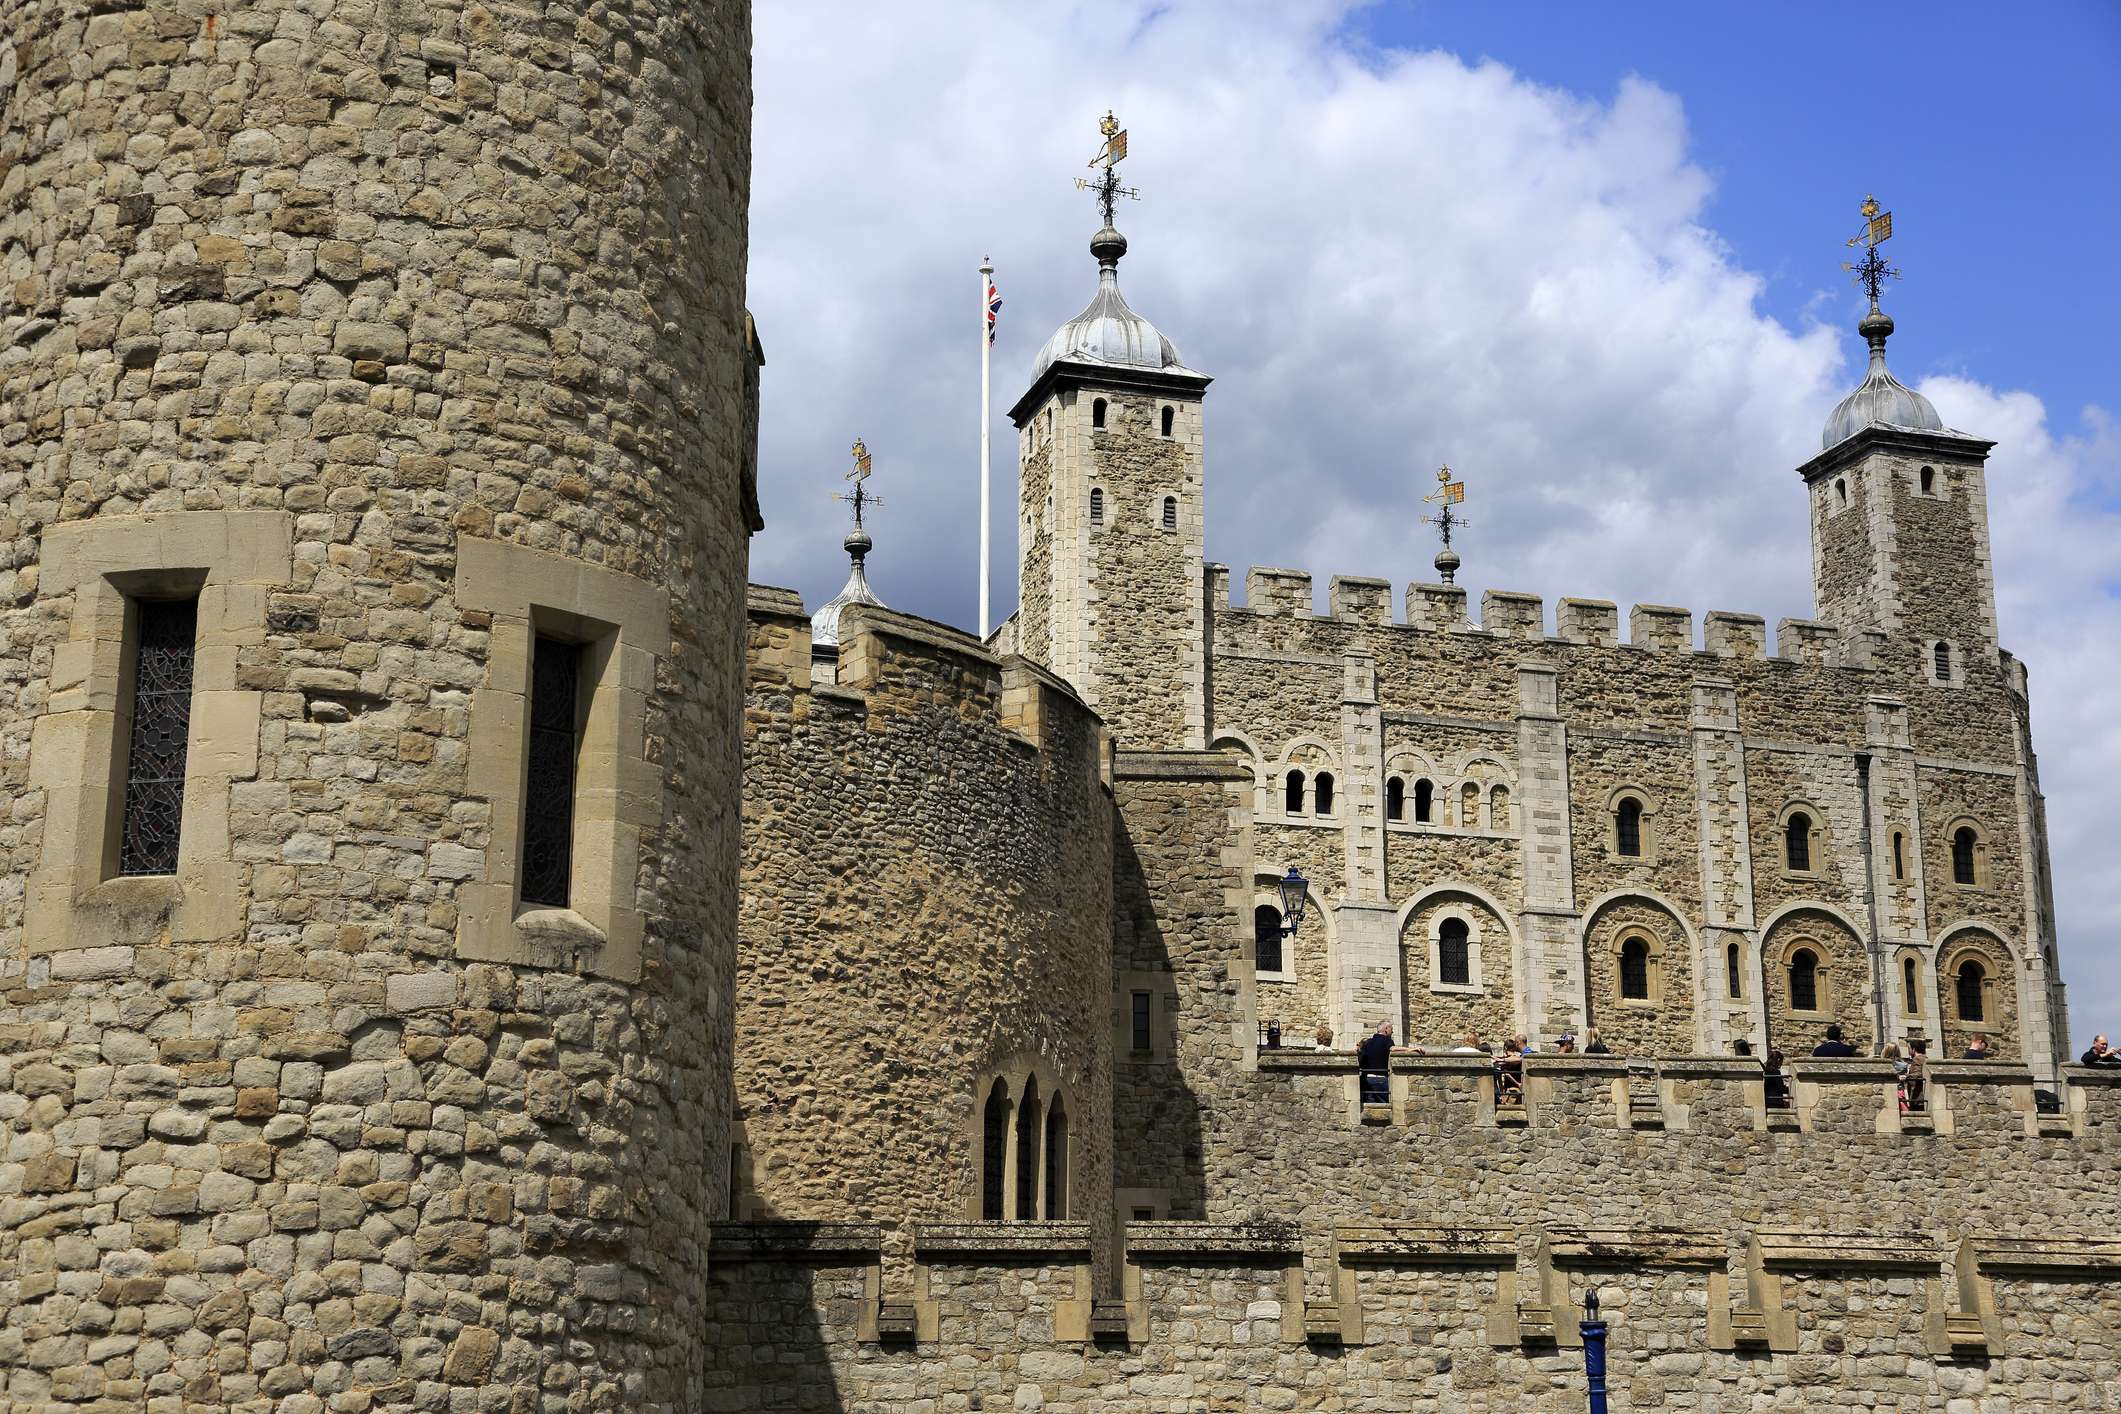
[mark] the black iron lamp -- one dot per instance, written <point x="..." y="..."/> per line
<point x="1295" y="889"/>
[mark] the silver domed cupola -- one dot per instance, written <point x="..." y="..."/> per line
<point x="1108" y="333"/>
<point x="1881" y="400"/>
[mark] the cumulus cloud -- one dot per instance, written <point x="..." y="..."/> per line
<point x="1387" y="261"/>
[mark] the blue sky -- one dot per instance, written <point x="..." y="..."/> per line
<point x="1588" y="255"/>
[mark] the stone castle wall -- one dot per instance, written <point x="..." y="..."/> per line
<point x="927" y="894"/>
<point x="376" y="326"/>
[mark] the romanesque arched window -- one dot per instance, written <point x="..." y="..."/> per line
<point x="1909" y="989"/>
<point x="1964" y="842"/>
<point x="1967" y="990"/>
<point x="1293" y="793"/>
<point x="994" y="1154"/>
<point x="1170" y="512"/>
<point x="1029" y="1130"/>
<point x="1322" y="792"/>
<point x="1097" y="412"/>
<point x="1424" y="801"/>
<point x="1733" y="973"/>
<point x="1499" y="808"/>
<point x="1899" y="855"/>
<point x="1169" y="415"/>
<point x="1395" y="798"/>
<point x="1929" y="481"/>
<point x="1635" y="970"/>
<point x="1942" y="656"/>
<point x="1266" y="938"/>
<point x="1804" y="980"/>
<point x="1056" y="1161"/>
<point x="1627" y="827"/>
<point x="1469" y="806"/>
<point x="1797" y="843"/>
<point x="1454" y="953"/>
<point x="1097" y="505"/>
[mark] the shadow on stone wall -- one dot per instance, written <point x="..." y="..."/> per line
<point x="1156" y="1117"/>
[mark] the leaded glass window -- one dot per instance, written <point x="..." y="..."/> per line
<point x="161" y="726"/>
<point x="548" y="795"/>
<point x="1454" y="953"/>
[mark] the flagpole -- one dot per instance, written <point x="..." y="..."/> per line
<point x="986" y="423"/>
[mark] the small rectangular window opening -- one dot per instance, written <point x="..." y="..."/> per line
<point x="1140" y="1040"/>
<point x="151" y="826"/>
<point x="548" y="794"/>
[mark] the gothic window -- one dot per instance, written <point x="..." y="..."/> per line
<point x="994" y="1129"/>
<point x="1424" y="801"/>
<point x="1968" y="987"/>
<point x="1797" y="843"/>
<point x="1499" y="808"/>
<point x="1028" y="1133"/>
<point x="1929" y="481"/>
<point x="1097" y="505"/>
<point x="1941" y="656"/>
<point x="161" y="731"/>
<point x="1732" y="978"/>
<point x="1056" y="1161"/>
<point x="1169" y="415"/>
<point x="1804" y="980"/>
<point x="1293" y="794"/>
<point x="1138" y="1037"/>
<point x="1097" y="412"/>
<point x="1322" y="792"/>
<point x="1454" y="949"/>
<point x="548" y="794"/>
<point x="1963" y="849"/>
<point x="1469" y="807"/>
<point x="1635" y="970"/>
<point x="1266" y="938"/>
<point x="1170" y="512"/>
<point x="1627" y="827"/>
<point x="1907" y="981"/>
<point x="1395" y="798"/>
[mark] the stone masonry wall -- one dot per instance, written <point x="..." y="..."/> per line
<point x="927" y="896"/>
<point x="381" y="274"/>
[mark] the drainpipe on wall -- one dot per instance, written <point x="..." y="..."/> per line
<point x="1870" y="895"/>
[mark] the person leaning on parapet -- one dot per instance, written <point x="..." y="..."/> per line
<point x="2100" y="1053"/>
<point x="1373" y="1058"/>
<point x="1777" y="1085"/>
<point x="1592" y="1046"/>
<point x="1469" y="1045"/>
<point x="1917" y="1077"/>
<point x="1324" y="1037"/>
<point x="1834" y="1044"/>
<point x="1977" y="1049"/>
<point x="1566" y="1046"/>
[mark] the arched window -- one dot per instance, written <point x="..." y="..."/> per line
<point x="1499" y="808"/>
<point x="1968" y="988"/>
<point x="1424" y="801"/>
<point x="1395" y="798"/>
<point x="1454" y="953"/>
<point x="1097" y="505"/>
<point x="1731" y="974"/>
<point x="1293" y="794"/>
<point x="1963" y="841"/>
<point x="994" y="1156"/>
<point x="1841" y="487"/>
<point x="1929" y="480"/>
<point x="1899" y="855"/>
<point x="1322" y="792"/>
<point x="1942" y="656"/>
<point x="1028" y="1132"/>
<point x="1909" y="989"/>
<point x="1635" y="970"/>
<point x="1170" y="512"/>
<point x="1056" y="1161"/>
<point x="1097" y="412"/>
<point x="1469" y="807"/>
<point x="1797" y="843"/>
<point x="1266" y="938"/>
<point x="1804" y="980"/>
<point x="1627" y="827"/>
<point x="1169" y="415"/>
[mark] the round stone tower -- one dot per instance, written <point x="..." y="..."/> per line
<point x="376" y="400"/>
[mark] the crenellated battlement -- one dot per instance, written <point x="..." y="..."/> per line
<point x="1272" y="592"/>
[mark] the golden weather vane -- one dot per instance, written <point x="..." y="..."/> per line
<point x="860" y="497"/>
<point x="1109" y="156"/>
<point x="1448" y="493"/>
<point x="1871" y="272"/>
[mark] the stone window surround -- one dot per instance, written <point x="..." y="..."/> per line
<point x="1156" y="1200"/>
<point x="1264" y="891"/>
<point x="1013" y="1078"/>
<point x="1475" y="983"/>
<point x="1653" y="968"/>
<point x="624" y="625"/>
<point x="1817" y="839"/>
<point x="1929" y="663"/>
<point x="1163" y="1006"/>
<point x="1836" y="493"/>
<point x="1153" y="509"/>
<point x="1901" y="959"/>
<point x="1951" y="837"/>
<point x="1940" y="484"/>
<point x="1822" y="977"/>
<point x="1100" y="510"/>
<point x="1995" y="963"/>
<point x="232" y="560"/>
<point x="1649" y="803"/>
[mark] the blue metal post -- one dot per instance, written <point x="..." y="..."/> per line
<point x="1593" y="1331"/>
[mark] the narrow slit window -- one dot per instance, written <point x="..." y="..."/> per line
<point x="1454" y="961"/>
<point x="1293" y="794"/>
<point x="1899" y="855"/>
<point x="161" y="729"/>
<point x="548" y="794"/>
<point x="1733" y="981"/>
<point x="1029" y="1131"/>
<point x="1908" y="986"/>
<point x="1929" y="480"/>
<point x="1056" y="1161"/>
<point x="1797" y="843"/>
<point x="1963" y="843"/>
<point x="1169" y="414"/>
<point x="1424" y="801"/>
<point x="1841" y="491"/>
<point x="1170" y="512"/>
<point x="1627" y="827"/>
<point x="1395" y="798"/>
<point x="994" y="1154"/>
<point x="1138" y="1022"/>
<point x="1097" y="412"/>
<point x="1266" y="938"/>
<point x="1322" y="792"/>
<point x="1943" y="657"/>
<point x="1097" y="505"/>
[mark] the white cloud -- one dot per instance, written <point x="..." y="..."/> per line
<point x="1386" y="261"/>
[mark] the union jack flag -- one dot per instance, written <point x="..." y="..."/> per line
<point x="994" y="309"/>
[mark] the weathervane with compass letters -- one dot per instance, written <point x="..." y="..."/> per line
<point x="1106" y="183"/>
<point x="1448" y="493"/>
<point x="860" y="497"/>
<point x="1871" y="272"/>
